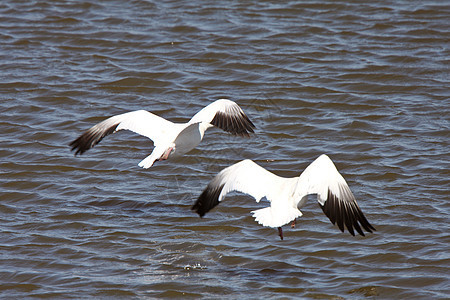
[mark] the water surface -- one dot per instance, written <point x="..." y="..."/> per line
<point x="365" y="83"/>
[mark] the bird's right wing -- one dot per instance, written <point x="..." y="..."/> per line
<point x="226" y="115"/>
<point x="140" y="121"/>
<point x="246" y="177"/>
<point x="333" y="194"/>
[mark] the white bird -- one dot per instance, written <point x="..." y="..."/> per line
<point x="287" y="195"/>
<point x="170" y="139"/>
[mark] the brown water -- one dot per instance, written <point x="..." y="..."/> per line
<point x="368" y="84"/>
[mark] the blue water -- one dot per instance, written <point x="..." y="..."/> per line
<point x="366" y="84"/>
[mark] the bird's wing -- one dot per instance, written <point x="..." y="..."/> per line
<point x="226" y="115"/>
<point x="333" y="194"/>
<point x="141" y="122"/>
<point x="246" y="177"/>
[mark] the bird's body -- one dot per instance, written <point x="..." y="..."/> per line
<point x="170" y="139"/>
<point x="288" y="195"/>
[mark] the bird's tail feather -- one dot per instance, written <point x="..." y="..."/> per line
<point x="271" y="217"/>
<point x="147" y="162"/>
<point x="156" y="154"/>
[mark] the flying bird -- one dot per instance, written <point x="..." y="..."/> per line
<point x="288" y="195"/>
<point x="169" y="139"/>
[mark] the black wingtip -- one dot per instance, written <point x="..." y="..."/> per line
<point x="346" y="215"/>
<point x="207" y="200"/>
<point x="238" y="124"/>
<point x="90" y="138"/>
<point x="77" y="146"/>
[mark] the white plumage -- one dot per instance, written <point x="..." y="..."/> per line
<point x="170" y="139"/>
<point x="288" y="195"/>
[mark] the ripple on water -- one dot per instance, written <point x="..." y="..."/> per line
<point x="364" y="83"/>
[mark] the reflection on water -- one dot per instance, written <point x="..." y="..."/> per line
<point x="364" y="83"/>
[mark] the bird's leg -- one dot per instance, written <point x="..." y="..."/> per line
<point x="166" y="154"/>
<point x="293" y="224"/>
<point x="280" y="232"/>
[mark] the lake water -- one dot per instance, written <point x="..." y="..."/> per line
<point x="367" y="84"/>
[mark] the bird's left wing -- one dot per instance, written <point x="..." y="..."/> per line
<point x="333" y="194"/>
<point x="226" y="115"/>
<point x="140" y="121"/>
<point x="246" y="177"/>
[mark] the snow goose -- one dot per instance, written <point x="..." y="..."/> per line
<point x="170" y="139"/>
<point x="288" y="195"/>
